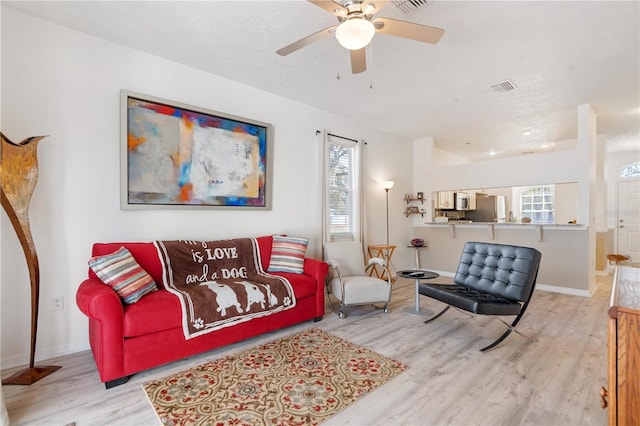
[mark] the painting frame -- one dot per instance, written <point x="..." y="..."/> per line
<point x="179" y="156"/>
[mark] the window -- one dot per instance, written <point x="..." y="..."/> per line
<point x="632" y="170"/>
<point x="343" y="218"/>
<point x="537" y="203"/>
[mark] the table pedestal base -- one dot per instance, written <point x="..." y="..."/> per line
<point x="417" y="275"/>
<point x="423" y="311"/>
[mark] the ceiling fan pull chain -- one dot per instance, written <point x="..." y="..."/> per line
<point x="337" y="62"/>
<point x="370" y="67"/>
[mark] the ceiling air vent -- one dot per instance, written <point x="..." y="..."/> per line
<point x="410" y="6"/>
<point x="503" y="86"/>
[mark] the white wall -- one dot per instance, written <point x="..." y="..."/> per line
<point x="573" y="165"/>
<point x="66" y="84"/>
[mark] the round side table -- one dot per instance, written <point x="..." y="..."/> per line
<point x="418" y="274"/>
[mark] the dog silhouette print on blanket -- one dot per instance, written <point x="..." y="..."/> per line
<point x="221" y="283"/>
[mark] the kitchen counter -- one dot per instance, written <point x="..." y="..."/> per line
<point x="565" y="250"/>
<point x="491" y="226"/>
<point x="468" y="222"/>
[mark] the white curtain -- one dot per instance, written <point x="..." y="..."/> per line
<point x="359" y="186"/>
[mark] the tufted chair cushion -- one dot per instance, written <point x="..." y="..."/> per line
<point x="501" y="270"/>
<point x="492" y="279"/>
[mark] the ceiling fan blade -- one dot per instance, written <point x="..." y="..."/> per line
<point x="305" y="41"/>
<point x="330" y="6"/>
<point x="422" y="33"/>
<point x="358" y="61"/>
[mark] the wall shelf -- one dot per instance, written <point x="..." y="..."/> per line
<point x="409" y="200"/>
<point x="409" y="210"/>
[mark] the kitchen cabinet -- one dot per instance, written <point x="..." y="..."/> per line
<point x="445" y="200"/>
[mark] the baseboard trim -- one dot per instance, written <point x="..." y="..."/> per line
<point x="563" y="290"/>
<point x="43" y="355"/>
<point x="607" y="271"/>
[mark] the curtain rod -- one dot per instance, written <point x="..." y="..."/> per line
<point x="338" y="136"/>
<point x="342" y="137"/>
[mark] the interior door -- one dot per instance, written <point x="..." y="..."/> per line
<point x="628" y="223"/>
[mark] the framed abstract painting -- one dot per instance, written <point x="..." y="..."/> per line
<point x="175" y="155"/>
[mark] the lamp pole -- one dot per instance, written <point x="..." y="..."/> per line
<point x="387" y="199"/>
<point x="387" y="185"/>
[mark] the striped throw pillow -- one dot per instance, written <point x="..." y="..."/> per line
<point x="287" y="254"/>
<point x="120" y="271"/>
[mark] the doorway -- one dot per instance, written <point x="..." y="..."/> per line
<point x="628" y="219"/>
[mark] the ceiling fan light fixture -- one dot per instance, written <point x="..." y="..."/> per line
<point x="354" y="34"/>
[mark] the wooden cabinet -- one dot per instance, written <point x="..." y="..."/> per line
<point x="623" y="347"/>
<point x="445" y="200"/>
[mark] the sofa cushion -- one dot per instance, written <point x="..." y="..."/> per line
<point x="160" y="310"/>
<point x="120" y="271"/>
<point x="157" y="311"/>
<point x="287" y="254"/>
<point x="303" y="285"/>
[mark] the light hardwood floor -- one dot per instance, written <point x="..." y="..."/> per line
<point x="554" y="380"/>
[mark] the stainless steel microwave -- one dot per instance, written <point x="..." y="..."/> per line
<point x="462" y="201"/>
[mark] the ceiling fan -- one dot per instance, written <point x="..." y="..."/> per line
<point x="358" y="26"/>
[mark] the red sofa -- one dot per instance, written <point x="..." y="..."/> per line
<point x="126" y="339"/>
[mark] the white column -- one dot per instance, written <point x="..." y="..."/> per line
<point x="587" y="156"/>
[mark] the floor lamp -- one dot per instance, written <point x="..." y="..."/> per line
<point x="19" y="174"/>
<point x="387" y="185"/>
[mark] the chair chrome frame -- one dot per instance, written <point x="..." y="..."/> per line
<point x="474" y="290"/>
<point x="340" y="275"/>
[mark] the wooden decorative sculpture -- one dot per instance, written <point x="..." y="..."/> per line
<point x="18" y="176"/>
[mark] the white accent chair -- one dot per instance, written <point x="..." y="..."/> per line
<point x="348" y="280"/>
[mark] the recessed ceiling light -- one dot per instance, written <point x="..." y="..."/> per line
<point x="526" y="133"/>
<point x="492" y="153"/>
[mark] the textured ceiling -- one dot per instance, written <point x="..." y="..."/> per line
<point x="559" y="54"/>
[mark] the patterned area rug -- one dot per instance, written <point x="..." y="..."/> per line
<point x="299" y="380"/>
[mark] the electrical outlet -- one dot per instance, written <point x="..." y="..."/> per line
<point x="58" y="303"/>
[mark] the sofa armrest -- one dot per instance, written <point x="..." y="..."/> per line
<point x="98" y="301"/>
<point x="318" y="270"/>
<point x="105" y="311"/>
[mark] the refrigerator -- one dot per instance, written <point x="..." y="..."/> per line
<point x="489" y="208"/>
